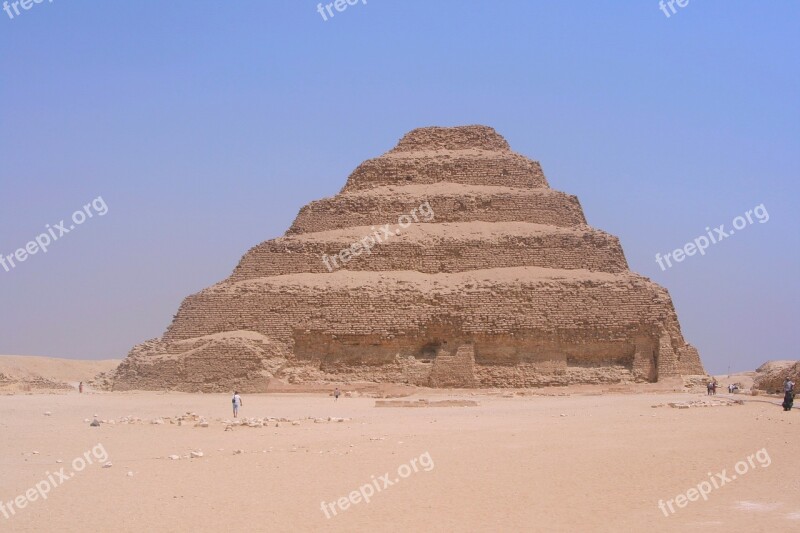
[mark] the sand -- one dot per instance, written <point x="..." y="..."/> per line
<point x="57" y="369"/>
<point x="588" y="459"/>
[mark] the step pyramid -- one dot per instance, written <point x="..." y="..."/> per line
<point x="447" y="261"/>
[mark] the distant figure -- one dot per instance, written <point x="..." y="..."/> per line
<point x="709" y="387"/>
<point x="237" y="403"/>
<point x="731" y="388"/>
<point x="336" y="394"/>
<point x="788" y="394"/>
<point x="714" y="387"/>
<point x="80" y="387"/>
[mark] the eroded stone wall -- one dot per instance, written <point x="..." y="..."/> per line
<point x="573" y="249"/>
<point x="383" y="205"/>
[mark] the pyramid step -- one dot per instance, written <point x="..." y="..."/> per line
<point x="478" y="167"/>
<point x="441" y="202"/>
<point x="434" y="248"/>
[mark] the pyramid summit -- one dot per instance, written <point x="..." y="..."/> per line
<point x="448" y="262"/>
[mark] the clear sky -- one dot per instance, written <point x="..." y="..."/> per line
<point x="205" y="126"/>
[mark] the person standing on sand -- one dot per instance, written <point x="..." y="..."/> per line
<point x="788" y="394"/>
<point x="237" y="403"/>
<point x="80" y="387"/>
<point x="336" y="394"/>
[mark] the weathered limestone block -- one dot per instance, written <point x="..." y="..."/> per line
<point x="770" y="376"/>
<point x="454" y="370"/>
<point x="228" y="361"/>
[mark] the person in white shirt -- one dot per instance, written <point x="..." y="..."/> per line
<point x="237" y="402"/>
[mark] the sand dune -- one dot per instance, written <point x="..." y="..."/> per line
<point x="53" y="368"/>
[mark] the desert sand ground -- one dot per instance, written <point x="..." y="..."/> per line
<point x="592" y="460"/>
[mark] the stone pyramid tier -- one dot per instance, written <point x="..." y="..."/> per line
<point x="448" y="262"/>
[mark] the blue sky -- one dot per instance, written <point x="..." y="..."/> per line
<point x="205" y="126"/>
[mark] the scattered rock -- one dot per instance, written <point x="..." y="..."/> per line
<point x="174" y="457"/>
<point x="108" y="465"/>
<point x="195" y="454"/>
<point x="422" y="402"/>
<point x="717" y="402"/>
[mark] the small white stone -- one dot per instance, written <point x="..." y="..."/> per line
<point x="108" y="465"/>
<point x="174" y="457"/>
<point x="196" y="454"/>
<point x="47" y="413"/>
<point x="130" y="474"/>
